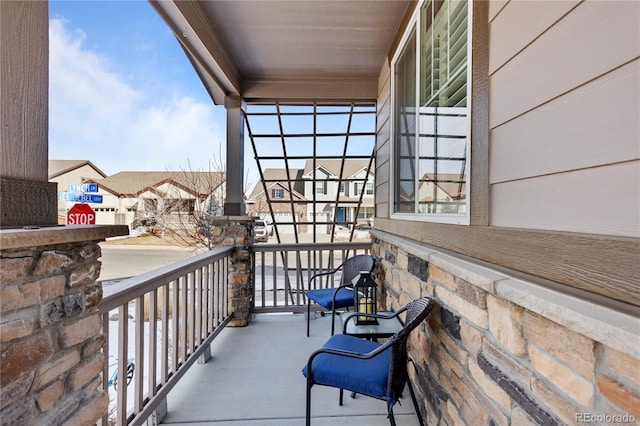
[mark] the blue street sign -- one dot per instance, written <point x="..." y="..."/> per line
<point x="82" y="187"/>
<point x="81" y="198"/>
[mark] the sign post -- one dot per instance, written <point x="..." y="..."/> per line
<point x="81" y="214"/>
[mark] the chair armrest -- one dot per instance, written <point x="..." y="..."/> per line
<point x="320" y="274"/>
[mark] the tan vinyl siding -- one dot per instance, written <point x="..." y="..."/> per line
<point x="592" y="40"/>
<point x="564" y="117"/>
<point x="563" y="201"/>
<point x="582" y="129"/>
<point x="509" y="36"/>
<point x="383" y="143"/>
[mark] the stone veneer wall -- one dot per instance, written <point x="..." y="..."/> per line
<point x="237" y="231"/>
<point x="51" y="335"/>
<point x="502" y="351"/>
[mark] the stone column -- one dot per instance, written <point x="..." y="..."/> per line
<point x="237" y="231"/>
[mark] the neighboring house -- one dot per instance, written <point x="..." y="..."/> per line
<point x="138" y="198"/>
<point x="151" y="197"/>
<point x="341" y="196"/>
<point x="281" y="196"/>
<point x="321" y="196"/>
<point x="68" y="172"/>
<point x="442" y="193"/>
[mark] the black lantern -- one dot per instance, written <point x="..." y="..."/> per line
<point x="365" y="297"/>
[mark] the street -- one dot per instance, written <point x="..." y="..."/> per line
<point x="119" y="262"/>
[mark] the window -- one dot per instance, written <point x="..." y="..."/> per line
<point x="369" y="188"/>
<point x="321" y="187"/>
<point x="365" y="212"/>
<point x="342" y="187"/>
<point x="431" y="115"/>
<point x="278" y="193"/>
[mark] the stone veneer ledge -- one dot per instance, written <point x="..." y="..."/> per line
<point x="46" y="236"/>
<point x="616" y="329"/>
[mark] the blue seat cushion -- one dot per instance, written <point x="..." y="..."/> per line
<point x="324" y="297"/>
<point x="365" y="376"/>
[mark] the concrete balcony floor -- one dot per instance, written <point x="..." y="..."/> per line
<point x="254" y="378"/>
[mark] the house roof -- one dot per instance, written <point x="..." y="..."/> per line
<point x="60" y="167"/>
<point x="283" y="49"/>
<point x="351" y="167"/>
<point x="132" y="184"/>
<point x="281" y="176"/>
<point x="447" y="182"/>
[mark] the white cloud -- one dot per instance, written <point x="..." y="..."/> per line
<point x="95" y="114"/>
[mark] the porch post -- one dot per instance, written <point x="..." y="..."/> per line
<point x="234" y="201"/>
<point x="26" y="195"/>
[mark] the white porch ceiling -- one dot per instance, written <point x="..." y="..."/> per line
<point x="296" y="50"/>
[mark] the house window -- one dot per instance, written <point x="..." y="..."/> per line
<point x="321" y="187"/>
<point x="278" y="193"/>
<point x="365" y="212"/>
<point x="342" y="187"/>
<point x="431" y="115"/>
<point x="369" y="188"/>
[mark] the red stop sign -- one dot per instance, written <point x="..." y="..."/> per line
<point x="81" y="214"/>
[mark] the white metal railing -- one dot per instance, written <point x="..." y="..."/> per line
<point x="164" y="320"/>
<point x="281" y="271"/>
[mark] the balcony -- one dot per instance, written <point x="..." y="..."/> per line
<point x="253" y="374"/>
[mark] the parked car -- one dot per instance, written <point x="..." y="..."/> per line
<point x="262" y="230"/>
<point x="364" y="223"/>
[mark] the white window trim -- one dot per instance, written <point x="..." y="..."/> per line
<point x="414" y="25"/>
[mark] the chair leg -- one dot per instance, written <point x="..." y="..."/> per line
<point x="413" y="397"/>
<point x="308" y="414"/>
<point x="392" y="419"/>
<point x="333" y="320"/>
<point x="308" y="314"/>
<point x="341" y="394"/>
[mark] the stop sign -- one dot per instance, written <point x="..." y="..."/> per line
<point x="81" y="214"/>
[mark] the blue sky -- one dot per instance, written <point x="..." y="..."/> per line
<point x="122" y="93"/>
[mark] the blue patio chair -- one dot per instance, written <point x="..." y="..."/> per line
<point x="342" y="296"/>
<point x="365" y="367"/>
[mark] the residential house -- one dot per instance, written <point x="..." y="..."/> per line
<point x="280" y="198"/>
<point x="72" y="172"/>
<point x="343" y="191"/>
<point x="335" y="194"/>
<point x="140" y="198"/>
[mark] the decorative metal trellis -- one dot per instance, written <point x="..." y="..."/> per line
<point x="292" y="142"/>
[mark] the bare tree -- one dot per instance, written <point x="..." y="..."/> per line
<point x="188" y="201"/>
